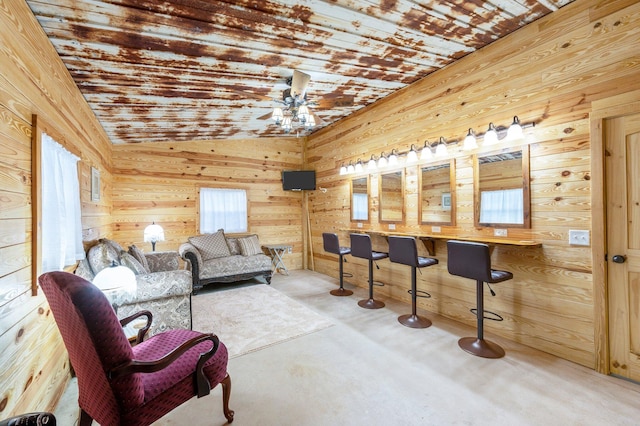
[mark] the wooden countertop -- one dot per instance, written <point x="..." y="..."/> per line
<point x="429" y="239"/>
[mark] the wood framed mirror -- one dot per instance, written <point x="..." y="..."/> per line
<point x="436" y="194"/>
<point x="360" y="199"/>
<point x="391" y="196"/>
<point x="501" y="189"/>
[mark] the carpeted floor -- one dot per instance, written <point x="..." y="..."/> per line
<point x="367" y="369"/>
<point x="253" y="317"/>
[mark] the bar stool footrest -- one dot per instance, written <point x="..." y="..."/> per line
<point x="420" y="293"/>
<point x="492" y="315"/>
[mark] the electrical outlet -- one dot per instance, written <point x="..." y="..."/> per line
<point x="392" y="226"/>
<point x="499" y="232"/>
<point x="359" y="225"/>
<point x="289" y="249"/>
<point x="436" y="229"/>
<point x="578" y="238"/>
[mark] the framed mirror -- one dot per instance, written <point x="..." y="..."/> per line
<point x="391" y="196"/>
<point x="360" y="199"/>
<point x="437" y="195"/>
<point x="501" y="189"/>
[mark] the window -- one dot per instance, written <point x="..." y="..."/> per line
<point x="223" y="209"/>
<point x="61" y="215"/>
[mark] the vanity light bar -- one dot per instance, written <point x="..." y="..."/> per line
<point x="492" y="136"/>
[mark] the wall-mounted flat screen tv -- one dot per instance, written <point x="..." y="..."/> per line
<point x="298" y="180"/>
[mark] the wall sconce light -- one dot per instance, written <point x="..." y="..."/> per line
<point x="351" y="168"/>
<point x="515" y="130"/>
<point x="371" y="165"/>
<point x="359" y="166"/>
<point x="426" y="153"/>
<point x="382" y="161"/>
<point x="343" y="169"/>
<point x="441" y="148"/>
<point x="393" y="158"/>
<point x="491" y="137"/>
<point x="412" y="155"/>
<point x="470" y="140"/>
<point x="153" y="233"/>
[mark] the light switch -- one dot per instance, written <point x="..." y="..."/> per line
<point x="436" y="229"/>
<point x="392" y="226"/>
<point x="499" y="232"/>
<point x="579" y="237"/>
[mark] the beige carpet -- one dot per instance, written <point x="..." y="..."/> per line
<point x="253" y="317"/>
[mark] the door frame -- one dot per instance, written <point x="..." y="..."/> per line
<point x="615" y="106"/>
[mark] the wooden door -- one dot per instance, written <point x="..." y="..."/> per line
<point x="622" y="168"/>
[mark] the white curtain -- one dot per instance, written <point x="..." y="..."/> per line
<point x="223" y="209"/>
<point x="503" y="206"/>
<point x="360" y="206"/>
<point x="61" y="221"/>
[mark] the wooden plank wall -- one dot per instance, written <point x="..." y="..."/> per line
<point x="160" y="182"/>
<point x="33" y="80"/>
<point x="548" y="72"/>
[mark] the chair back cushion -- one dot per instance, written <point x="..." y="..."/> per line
<point x="331" y="243"/>
<point x="96" y="343"/>
<point x="361" y="246"/>
<point x="470" y="260"/>
<point x="403" y="250"/>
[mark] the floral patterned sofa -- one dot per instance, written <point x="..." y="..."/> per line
<point x="162" y="288"/>
<point x="216" y="258"/>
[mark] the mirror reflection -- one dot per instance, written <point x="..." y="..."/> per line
<point x="437" y="204"/>
<point x="502" y="194"/>
<point x="392" y="197"/>
<point x="360" y="199"/>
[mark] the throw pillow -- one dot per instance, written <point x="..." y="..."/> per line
<point x="140" y="257"/>
<point x="211" y="246"/>
<point x="132" y="263"/>
<point x="234" y="247"/>
<point x="101" y="256"/>
<point x="249" y="245"/>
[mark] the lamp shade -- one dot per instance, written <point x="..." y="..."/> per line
<point x="153" y="233"/>
<point x="117" y="282"/>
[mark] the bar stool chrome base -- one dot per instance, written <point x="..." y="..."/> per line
<point x="341" y="292"/>
<point x="414" y="321"/>
<point x="371" y="304"/>
<point x="480" y="347"/>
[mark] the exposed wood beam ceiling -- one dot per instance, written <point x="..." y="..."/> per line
<point x="198" y="70"/>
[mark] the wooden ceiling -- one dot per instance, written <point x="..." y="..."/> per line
<point x="178" y="70"/>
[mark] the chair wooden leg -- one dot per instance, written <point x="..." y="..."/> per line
<point x="226" y="394"/>
<point x="85" y="418"/>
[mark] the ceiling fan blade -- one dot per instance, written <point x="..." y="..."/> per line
<point x="266" y="116"/>
<point x="251" y="95"/>
<point x="328" y="103"/>
<point x="299" y="83"/>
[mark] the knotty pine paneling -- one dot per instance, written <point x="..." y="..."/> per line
<point x="33" y="80"/>
<point x="160" y="182"/>
<point x="548" y="72"/>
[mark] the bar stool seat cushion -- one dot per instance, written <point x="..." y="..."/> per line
<point x="344" y="250"/>
<point x="423" y="262"/>
<point x="376" y="255"/>
<point x="499" y="276"/>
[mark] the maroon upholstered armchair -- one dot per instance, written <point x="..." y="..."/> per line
<point x="120" y="384"/>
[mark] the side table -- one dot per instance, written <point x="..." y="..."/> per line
<point x="276" y="251"/>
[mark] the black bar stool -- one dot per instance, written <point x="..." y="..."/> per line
<point x="332" y="245"/>
<point x="361" y="247"/>
<point x="404" y="250"/>
<point x="473" y="260"/>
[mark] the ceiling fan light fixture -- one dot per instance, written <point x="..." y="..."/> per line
<point x="286" y="124"/>
<point x="310" y="123"/>
<point x="303" y="113"/>
<point x="277" y="115"/>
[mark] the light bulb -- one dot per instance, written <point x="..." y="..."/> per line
<point x="470" y="141"/>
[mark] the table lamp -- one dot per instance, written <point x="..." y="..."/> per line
<point x="153" y="233"/>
